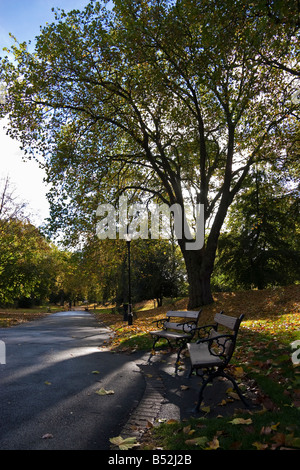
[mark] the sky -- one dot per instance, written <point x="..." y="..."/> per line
<point x="23" y="19"/>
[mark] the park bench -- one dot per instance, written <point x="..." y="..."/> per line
<point x="178" y="327"/>
<point x="212" y="352"/>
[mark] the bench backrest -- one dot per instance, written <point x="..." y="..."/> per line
<point x="231" y="323"/>
<point x="184" y="316"/>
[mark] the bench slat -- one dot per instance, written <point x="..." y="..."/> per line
<point x="225" y="320"/>
<point x="183" y="314"/>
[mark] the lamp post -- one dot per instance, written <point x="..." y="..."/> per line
<point x="130" y="314"/>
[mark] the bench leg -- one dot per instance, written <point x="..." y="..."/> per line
<point x="157" y="338"/>
<point x="210" y="378"/>
<point x="236" y="387"/>
<point x="183" y="345"/>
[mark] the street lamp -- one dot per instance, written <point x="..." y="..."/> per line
<point x="127" y="237"/>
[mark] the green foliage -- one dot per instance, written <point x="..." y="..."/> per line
<point x="164" y="100"/>
<point x="261" y="247"/>
<point x="27" y="264"/>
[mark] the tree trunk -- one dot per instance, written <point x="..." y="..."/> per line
<point x="199" y="270"/>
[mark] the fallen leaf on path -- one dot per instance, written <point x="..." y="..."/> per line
<point x="47" y="436"/>
<point x="124" y="444"/>
<point x="95" y="372"/>
<point x="102" y="391"/>
<point x="205" y="409"/>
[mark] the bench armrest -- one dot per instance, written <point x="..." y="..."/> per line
<point x="221" y="346"/>
<point x="189" y="327"/>
<point x="160" y="323"/>
<point x="204" y="331"/>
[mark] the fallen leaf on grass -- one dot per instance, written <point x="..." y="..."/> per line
<point x="102" y="391"/>
<point x="214" y="444"/>
<point x="260" y="445"/>
<point x="124" y="444"/>
<point x="241" y="421"/>
<point x="197" y="441"/>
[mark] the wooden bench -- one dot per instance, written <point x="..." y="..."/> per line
<point x="212" y="352"/>
<point x="178" y="327"/>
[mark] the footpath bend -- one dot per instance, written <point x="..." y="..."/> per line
<point x="53" y="369"/>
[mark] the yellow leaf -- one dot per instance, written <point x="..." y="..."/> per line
<point x="124" y="444"/>
<point x="184" y="387"/>
<point x="241" y="421"/>
<point x="238" y="372"/>
<point x="47" y="383"/>
<point x="206" y="409"/>
<point x="223" y="403"/>
<point x="260" y="445"/>
<point x="214" y="444"/>
<point x="95" y="372"/>
<point x="102" y="391"/>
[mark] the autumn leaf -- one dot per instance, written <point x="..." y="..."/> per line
<point x="95" y="372"/>
<point x="260" y="445"/>
<point x="197" y="441"/>
<point x="47" y="436"/>
<point x="241" y="421"/>
<point x="292" y="441"/>
<point x="205" y="409"/>
<point x="124" y="444"/>
<point x="214" y="444"/>
<point x="102" y="391"/>
<point x="238" y="372"/>
<point x="184" y="387"/>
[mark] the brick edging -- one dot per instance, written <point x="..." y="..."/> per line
<point x="148" y="409"/>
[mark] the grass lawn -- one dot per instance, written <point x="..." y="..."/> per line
<point x="12" y="317"/>
<point x="263" y="355"/>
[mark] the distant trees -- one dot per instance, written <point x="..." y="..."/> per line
<point x="27" y="262"/>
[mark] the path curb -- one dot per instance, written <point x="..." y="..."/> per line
<point x="148" y="409"/>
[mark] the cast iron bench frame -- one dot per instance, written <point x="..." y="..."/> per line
<point x="212" y="354"/>
<point x="181" y="332"/>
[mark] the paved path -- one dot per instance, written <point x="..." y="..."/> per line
<point x="48" y="389"/>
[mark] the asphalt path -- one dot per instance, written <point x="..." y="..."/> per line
<point x="48" y="386"/>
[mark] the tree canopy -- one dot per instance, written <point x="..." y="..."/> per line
<point x="174" y="101"/>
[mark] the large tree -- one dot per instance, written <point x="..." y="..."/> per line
<point x="176" y="100"/>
